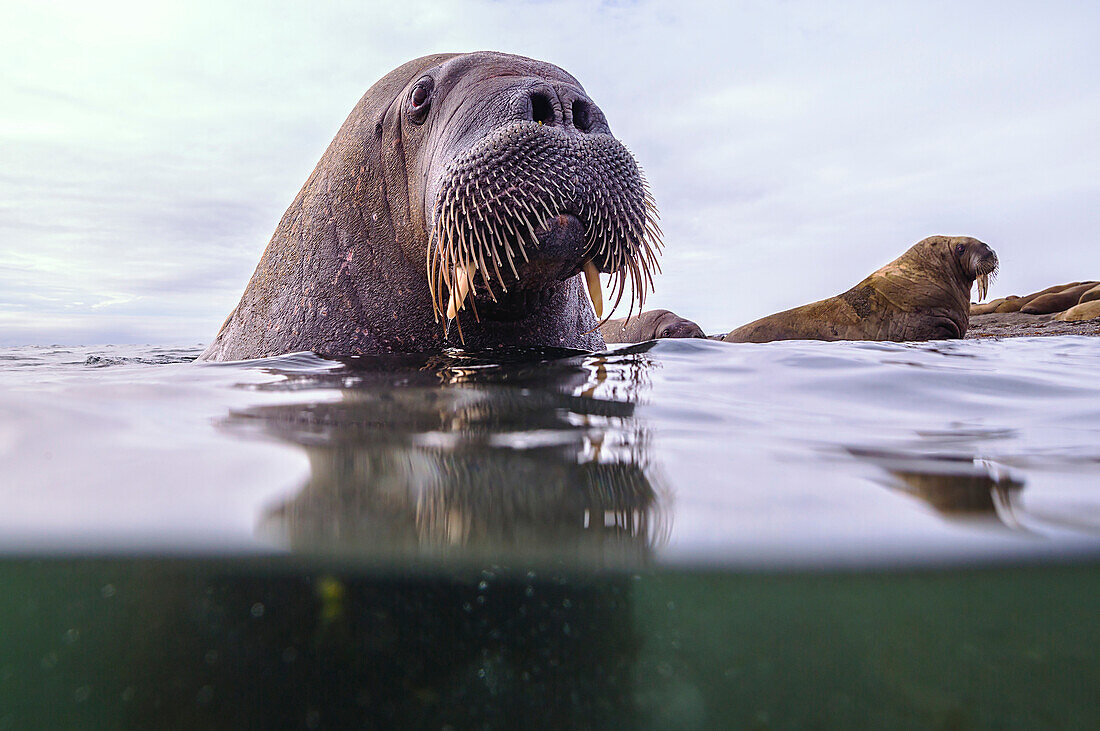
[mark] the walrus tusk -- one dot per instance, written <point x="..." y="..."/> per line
<point x="463" y="280"/>
<point x="983" y="286"/>
<point x="592" y="278"/>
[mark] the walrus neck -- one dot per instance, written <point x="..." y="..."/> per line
<point x="905" y="285"/>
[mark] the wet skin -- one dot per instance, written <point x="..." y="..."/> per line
<point x="374" y="252"/>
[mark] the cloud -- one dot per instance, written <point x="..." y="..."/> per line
<point x="147" y="153"/>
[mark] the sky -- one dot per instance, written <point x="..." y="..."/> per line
<point x="147" y="152"/>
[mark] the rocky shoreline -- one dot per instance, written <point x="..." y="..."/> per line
<point x="1021" y="325"/>
<point x="1064" y="309"/>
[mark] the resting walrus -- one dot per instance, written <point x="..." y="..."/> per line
<point x="1057" y="301"/>
<point x="1012" y="303"/>
<point x="922" y="295"/>
<point x="650" y="325"/>
<point x="468" y="187"/>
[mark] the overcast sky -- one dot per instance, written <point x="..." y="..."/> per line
<point x="146" y="154"/>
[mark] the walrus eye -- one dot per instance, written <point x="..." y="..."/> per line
<point x="959" y="249"/>
<point x="420" y="100"/>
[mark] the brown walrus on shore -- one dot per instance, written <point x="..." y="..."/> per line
<point x="649" y="325"/>
<point x="1083" y="311"/>
<point x="922" y="295"/>
<point x="1056" y="301"/>
<point x="1090" y="295"/>
<point x="1013" y="303"/>
<point x="984" y="308"/>
<point x="460" y="201"/>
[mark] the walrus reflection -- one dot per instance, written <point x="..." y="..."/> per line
<point x="430" y="501"/>
<point x="456" y="456"/>
<point x="954" y="486"/>
<point x="488" y="465"/>
<point x="963" y="495"/>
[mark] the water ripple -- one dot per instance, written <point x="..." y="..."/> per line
<point x="676" y="450"/>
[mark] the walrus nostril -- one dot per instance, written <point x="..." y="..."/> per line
<point x="542" y="109"/>
<point x="582" y="117"/>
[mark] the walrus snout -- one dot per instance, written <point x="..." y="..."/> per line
<point x="559" y="253"/>
<point x="534" y="202"/>
<point x="980" y="263"/>
<point x="987" y="262"/>
<point x="560" y="105"/>
<point x="558" y="257"/>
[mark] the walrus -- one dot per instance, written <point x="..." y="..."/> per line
<point x="1014" y="303"/>
<point x="984" y="308"/>
<point x="1011" y="303"/>
<point x="650" y="325"/>
<point x="922" y="295"/>
<point x="1082" y="311"/>
<point x="1056" y="301"/>
<point x="468" y="198"/>
<point x="1090" y="295"/>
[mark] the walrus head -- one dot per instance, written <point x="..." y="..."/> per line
<point x="474" y="187"/>
<point x="651" y="325"/>
<point x="521" y="186"/>
<point x="977" y="261"/>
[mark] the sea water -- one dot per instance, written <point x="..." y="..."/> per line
<point x="681" y="532"/>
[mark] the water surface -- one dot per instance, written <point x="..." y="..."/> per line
<point x="675" y="452"/>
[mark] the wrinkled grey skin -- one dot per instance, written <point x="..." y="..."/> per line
<point x="345" y="272"/>
<point x="650" y="325"/>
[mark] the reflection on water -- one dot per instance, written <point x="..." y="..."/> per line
<point x="528" y="463"/>
<point x="682" y="451"/>
<point x="967" y="495"/>
<point x="512" y="457"/>
<point x="954" y="485"/>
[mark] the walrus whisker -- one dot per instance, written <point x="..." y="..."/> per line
<point x="494" y="256"/>
<point x="436" y="253"/>
<point x="620" y="289"/>
<point x="509" y="252"/>
<point x="637" y="285"/>
<point x="534" y="239"/>
<point x="481" y="262"/>
<point x="511" y="261"/>
<point x="504" y="197"/>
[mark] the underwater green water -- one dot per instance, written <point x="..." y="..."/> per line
<point x="280" y="642"/>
